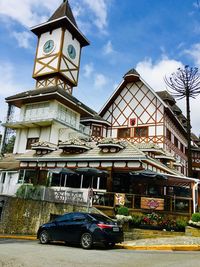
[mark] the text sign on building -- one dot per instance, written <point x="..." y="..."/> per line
<point x="119" y="199"/>
<point x="152" y="203"/>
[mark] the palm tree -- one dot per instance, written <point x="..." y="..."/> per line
<point x="185" y="83"/>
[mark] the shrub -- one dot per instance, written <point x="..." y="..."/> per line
<point x="29" y="192"/>
<point x="136" y="220"/>
<point x="122" y="210"/>
<point x="152" y="219"/>
<point x="196" y="217"/>
<point x="181" y="224"/>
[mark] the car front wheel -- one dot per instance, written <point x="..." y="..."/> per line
<point x="44" y="237"/>
<point x="86" y="240"/>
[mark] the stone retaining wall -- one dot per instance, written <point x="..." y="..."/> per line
<point x="22" y="216"/>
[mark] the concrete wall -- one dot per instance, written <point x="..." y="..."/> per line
<point x="22" y="216"/>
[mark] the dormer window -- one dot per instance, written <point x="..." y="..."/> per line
<point x="109" y="145"/>
<point x="31" y="141"/>
<point x="74" y="146"/>
<point x="43" y="148"/>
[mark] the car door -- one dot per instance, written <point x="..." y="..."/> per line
<point x="61" y="229"/>
<point x="77" y="226"/>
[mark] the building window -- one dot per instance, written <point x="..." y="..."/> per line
<point x="67" y="115"/>
<point x="31" y="141"/>
<point x="175" y="141"/>
<point x="35" y="111"/>
<point x="141" y="132"/>
<point x="3" y="177"/>
<point x="96" y="131"/>
<point x="124" y="133"/>
<point x="28" y="177"/>
<point x="182" y="148"/>
<point x="64" y="180"/>
<point x="168" y="134"/>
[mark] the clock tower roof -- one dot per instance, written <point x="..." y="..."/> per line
<point x="62" y="17"/>
<point x="64" y="10"/>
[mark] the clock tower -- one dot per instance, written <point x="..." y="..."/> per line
<point x="58" y="53"/>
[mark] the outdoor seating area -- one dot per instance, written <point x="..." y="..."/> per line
<point x="172" y="204"/>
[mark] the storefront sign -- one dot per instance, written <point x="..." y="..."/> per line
<point x="152" y="203"/>
<point x="119" y="199"/>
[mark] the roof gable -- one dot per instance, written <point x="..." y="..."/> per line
<point x="132" y="76"/>
<point x="133" y="99"/>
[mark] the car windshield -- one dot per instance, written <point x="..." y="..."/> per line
<point x="101" y="218"/>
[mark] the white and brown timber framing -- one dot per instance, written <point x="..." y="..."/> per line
<point x="57" y="69"/>
<point x="134" y="99"/>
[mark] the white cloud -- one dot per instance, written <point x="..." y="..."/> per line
<point x="100" y="80"/>
<point x="99" y="8"/>
<point x="30" y="13"/>
<point x="23" y="38"/>
<point x="194" y="53"/>
<point x="154" y="73"/>
<point x="24" y="12"/>
<point x="88" y="69"/>
<point x="108" y="48"/>
<point x="7" y="82"/>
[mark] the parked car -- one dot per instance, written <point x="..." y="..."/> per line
<point x="81" y="228"/>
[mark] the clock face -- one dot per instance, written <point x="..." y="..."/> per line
<point x="71" y="51"/>
<point x="48" y="46"/>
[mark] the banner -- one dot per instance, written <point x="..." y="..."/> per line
<point x="119" y="199"/>
<point x="152" y="203"/>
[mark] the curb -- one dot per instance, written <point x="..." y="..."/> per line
<point x="161" y="247"/>
<point x="23" y="237"/>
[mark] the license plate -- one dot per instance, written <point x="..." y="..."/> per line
<point x="115" y="229"/>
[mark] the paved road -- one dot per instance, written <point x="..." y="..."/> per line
<point x="16" y="253"/>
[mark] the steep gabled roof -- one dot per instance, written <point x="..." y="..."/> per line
<point x="132" y="76"/>
<point x="167" y="97"/>
<point x="62" y="17"/>
<point x="64" y="10"/>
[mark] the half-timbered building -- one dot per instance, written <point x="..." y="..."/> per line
<point x="133" y="150"/>
<point x="137" y="113"/>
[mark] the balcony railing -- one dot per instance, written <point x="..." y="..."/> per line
<point x="174" y="204"/>
<point x="14" y="120"/>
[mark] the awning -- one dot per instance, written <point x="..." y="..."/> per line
<point x="62" y="171"/>
<point x="91" y="171"/>
<point x="148" y="174"/>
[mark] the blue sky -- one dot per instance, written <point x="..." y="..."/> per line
<point x="153" y="36"/>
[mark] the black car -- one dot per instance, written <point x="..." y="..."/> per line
<point x="81" y="228"/>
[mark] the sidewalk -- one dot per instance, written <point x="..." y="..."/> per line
<point x="181" y="243"/>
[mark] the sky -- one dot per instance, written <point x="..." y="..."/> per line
<point x="155" y="37"/>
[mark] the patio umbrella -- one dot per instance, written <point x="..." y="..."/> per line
<point x="148" y="174"/>
<point x="91" y="171"/>
<point x="62" y="171"/>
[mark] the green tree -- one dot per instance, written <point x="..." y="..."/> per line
<point x="185" y="83"/>
<point x="10" y="145"/>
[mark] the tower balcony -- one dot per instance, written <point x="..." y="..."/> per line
<point x="47" y="119"/>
